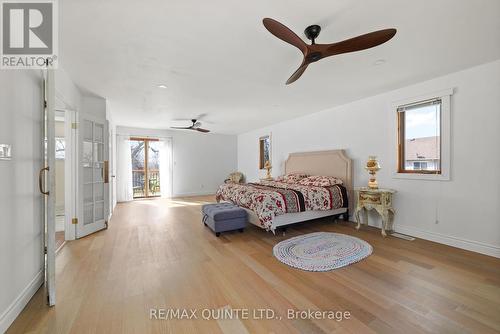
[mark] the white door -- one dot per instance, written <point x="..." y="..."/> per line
<point x="47" y="187"/>
<point x="93" y="190"/>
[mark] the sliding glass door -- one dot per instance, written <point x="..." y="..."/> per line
<point x="145" y="167"/>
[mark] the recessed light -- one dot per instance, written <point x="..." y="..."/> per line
<point x="379" y="62"/>
<point x="162" y="86"/>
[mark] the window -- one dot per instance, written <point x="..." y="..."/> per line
<point x="419" y="137"/>
<point x="264" y="151"/>
<point x="60" y="148"/>
<point x="423" y="131"/>
<point x="419" y="165"/>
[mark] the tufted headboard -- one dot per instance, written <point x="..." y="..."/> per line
<point x="328" y="163"/>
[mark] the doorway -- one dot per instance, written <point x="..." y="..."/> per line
<point x="60" y="156"/>
<point x="145" y="154"/>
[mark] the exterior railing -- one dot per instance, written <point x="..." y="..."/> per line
<point x="139" y="183"/>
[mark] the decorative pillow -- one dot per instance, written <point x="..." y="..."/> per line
<point x="320" y="181"/>
<point x="292" y="177"/>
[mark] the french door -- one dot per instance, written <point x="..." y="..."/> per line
<point x="145" y="153"/>
<point x="93" y="209"/>
<point x="46" y="182"/>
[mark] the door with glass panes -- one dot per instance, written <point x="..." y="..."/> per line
<point x="93" y="175"/>
<point x="145" y="154"/>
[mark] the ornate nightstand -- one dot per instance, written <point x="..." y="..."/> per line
<point x="378" y="199"/>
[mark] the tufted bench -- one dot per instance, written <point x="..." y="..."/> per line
<point x="222" y="217"/>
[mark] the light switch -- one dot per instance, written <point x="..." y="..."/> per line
<point x="5" y="152"/>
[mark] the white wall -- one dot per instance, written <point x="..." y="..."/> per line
<point x="201" y="161"/>
<point x="467" y="208"/>
<point x="66" y="91"/>
<point x="21" y="204"/>
<point x="94" y="105"/>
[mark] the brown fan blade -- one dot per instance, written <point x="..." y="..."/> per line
<point x="282" y="32"/>
<point x="181" y="128"/>
<point x="201" y="130"/>
<point x="297" y="73"/>
<point x="359" y="43"/>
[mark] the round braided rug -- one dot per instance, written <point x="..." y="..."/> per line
<point x="321" y="251"/>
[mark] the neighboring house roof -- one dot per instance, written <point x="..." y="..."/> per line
<point x="425" y="148"/>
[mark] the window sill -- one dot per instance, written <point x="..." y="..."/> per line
<point x="428" y="177"/>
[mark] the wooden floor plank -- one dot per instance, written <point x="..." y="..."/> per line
<point x="156" y="254"/>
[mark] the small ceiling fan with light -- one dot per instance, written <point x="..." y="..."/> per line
<point x="315" y="52"/>
<point x="196" y="126"/>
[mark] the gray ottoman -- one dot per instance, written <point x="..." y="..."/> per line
<point x="222" y="217"/>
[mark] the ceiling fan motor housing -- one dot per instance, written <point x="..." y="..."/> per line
<point x="312" y="32"/>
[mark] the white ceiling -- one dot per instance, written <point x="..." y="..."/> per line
<point x="216" y="57"/>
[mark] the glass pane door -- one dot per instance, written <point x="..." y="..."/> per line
<point x="154" y="168"/>
<point x="138" y="151"/>
<point x="145" y="167"/>
<point x="93" y="190"/>
<point x="93" y="169"/>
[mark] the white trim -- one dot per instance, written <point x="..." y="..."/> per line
<point x="424" y="177"/>
<point x="69" y="176"/>
<point x="194" y="193"/>
<point x="423" y="97"/>
<point x="15" y="308"/>
<point x="470" y="245"/>
<point x="445" y="96"/>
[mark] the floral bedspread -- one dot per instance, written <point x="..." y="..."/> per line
<point x="269" y="199"/>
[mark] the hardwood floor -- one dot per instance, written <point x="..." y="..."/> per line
<point x="157" y="254"/>
<point x="59" y="240"/>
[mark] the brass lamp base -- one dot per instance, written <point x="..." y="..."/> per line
<point x="373" y="184"/>
<point x="372" y="167"/>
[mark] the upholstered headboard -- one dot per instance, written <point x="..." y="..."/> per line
<point x="328" y="163"/>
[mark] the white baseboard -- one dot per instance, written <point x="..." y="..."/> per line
<point x="15" y="308"/>
<point x="474" y="246"/>
<point x="196" y="193"/>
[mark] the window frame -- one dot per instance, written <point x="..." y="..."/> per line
<point x="402" y="140"/>
<point x="445" y="137"/>
<point x="262" y="160"/>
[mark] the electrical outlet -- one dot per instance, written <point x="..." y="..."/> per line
<point x="5" y="152"/>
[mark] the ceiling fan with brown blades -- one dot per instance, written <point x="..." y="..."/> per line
<point x="196" y="126"/>
<point x="315" y="52"/>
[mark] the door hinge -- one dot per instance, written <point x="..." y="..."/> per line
<point x="74" y="221"/>
<point x="45" y="249"/>
<point x="74" y="125"/>
<point x="45" y="104"/>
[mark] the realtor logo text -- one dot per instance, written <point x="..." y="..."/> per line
<point x="28" y="34"/>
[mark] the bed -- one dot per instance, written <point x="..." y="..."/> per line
<point x="328" y="163"/>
